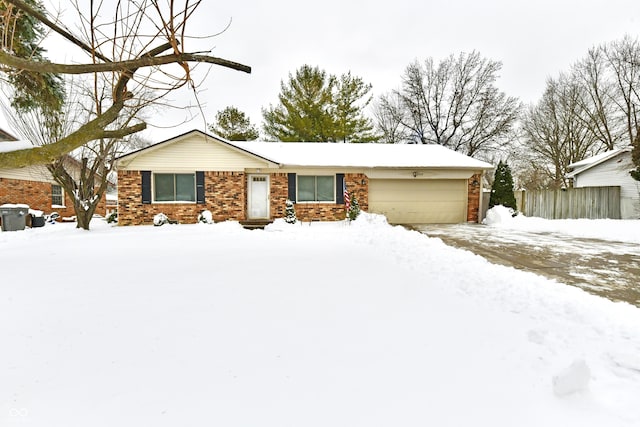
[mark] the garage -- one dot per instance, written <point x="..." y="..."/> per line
<point x="419" y="201"/>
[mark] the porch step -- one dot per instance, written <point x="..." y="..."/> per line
<point x="253" y="224"/>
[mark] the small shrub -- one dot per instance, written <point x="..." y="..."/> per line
<point x="290" y="213"/>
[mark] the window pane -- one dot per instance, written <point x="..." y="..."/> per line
<point x="56" y="195"/>
<point x="185" y="188"/>
<point x="306" y="188"/>
<point x="325" y="188"/>
<point x="164" y="191"/>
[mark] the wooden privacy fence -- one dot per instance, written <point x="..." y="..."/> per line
<point x="569" y="203"/>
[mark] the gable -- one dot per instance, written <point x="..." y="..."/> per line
<point x="192" y="151"/>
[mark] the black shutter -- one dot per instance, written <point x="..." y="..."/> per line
<point x="199" y="187"/>
<point x="146" y="187"/>
<point x="291" y="177"/>
<point x="339" y="188"/>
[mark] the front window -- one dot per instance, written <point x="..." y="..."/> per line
<point x="174" y="187"/>
<point x="316" y="189"/>
<point x="57" y="198"/>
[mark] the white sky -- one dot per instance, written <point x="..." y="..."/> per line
<point x="376" y="41"/>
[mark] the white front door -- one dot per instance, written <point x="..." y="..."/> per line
<point x="258" y="196"/>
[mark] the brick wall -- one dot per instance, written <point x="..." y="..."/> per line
<point x="279" y="194"/>
<point x="357" y="185"/>
<point x="37" y="195"/>
<point x="474" y="196"/>
<point x="224" y="197"/>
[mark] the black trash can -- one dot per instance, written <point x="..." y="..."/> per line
<point x="14" y="217"/>
<point x="37" y="221"/>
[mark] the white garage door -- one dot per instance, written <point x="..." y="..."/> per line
<point x="415" y="201"/>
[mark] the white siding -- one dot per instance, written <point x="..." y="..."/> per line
<point x="194" y="152"/>
<point x="615" y="172"/>
<point x="29" y="173"/>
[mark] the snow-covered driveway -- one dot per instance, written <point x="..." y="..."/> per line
<point x="599" y="256"/>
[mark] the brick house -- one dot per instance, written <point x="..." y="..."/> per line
<point x="34" y="186"/>
<point x="251" y="181"/>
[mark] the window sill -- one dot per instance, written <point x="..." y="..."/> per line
<point x="330" y="202"/>
<point x="174" y="203"/>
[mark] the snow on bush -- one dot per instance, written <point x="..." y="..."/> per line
<point x="160" y="219"/>
<point x="205" y="217"/>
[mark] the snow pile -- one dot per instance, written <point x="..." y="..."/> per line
<point x="573" y="379"/>
<point x="318" y="324"/>
<point x="498" y="215"/>
<point x="606" y="229"/>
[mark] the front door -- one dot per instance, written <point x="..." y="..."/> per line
<point x="258" y="196"/>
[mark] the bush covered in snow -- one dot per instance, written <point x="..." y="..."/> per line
<point x="160" y="219"/>
<point x="290" y="213"/>
<point x="205" y="217"/>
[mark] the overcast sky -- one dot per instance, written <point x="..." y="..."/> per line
<point x="377" y="40"/>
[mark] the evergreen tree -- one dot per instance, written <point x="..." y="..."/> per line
<point x="354" y="209"/>
<point x="635" y="157"/>
<point x="502" y="188"/>
<point x="234" y="125"/>
<point x="350" y="99"/>
<point x="318" y="107"/>
<point x="290" y="213"/>
<point x="24" y="35"/>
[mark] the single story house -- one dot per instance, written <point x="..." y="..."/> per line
<point x="610" y="168"/>
<point x="251" y="181"/>
<point x="34" y="186"/>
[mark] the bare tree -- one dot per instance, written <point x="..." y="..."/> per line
<point x="388" y="113"/>
<point x="455" y="103"/>
<point x="143" y="35"/>
<point x="84" y="172"/>
<point x="597" y="106"/>
<point x="624" y="62"/>
<point x="556" y="130"/>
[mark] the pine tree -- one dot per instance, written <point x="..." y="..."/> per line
<point x="318" y="107"/>
<point x="290" y="213"/>
<point x="502" y="188"/>
<point x="24" y="35"/>
<point x="234" y="125"/>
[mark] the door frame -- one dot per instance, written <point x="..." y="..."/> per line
<point x="250" y="194"/>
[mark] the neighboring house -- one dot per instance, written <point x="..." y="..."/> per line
<point x="610" y="168"/>
<point x="34" y="186"/>
<point x="251" y="181"/>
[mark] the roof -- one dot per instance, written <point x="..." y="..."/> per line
<point x="6" y="136"/>
<point x="590" y="162"/>
<point x="369" y="155"/>
<point x="328" y="154"/>
<point x="14" y="145"/>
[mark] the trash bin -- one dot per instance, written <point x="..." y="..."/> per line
<point x="14" y="217"/>
<point x="37" y="221"/>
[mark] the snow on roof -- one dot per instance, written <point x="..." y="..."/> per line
<point x="588" y="163"/>
<point x="6" y="146"/>
<point x="6" y="136"/>
<point x="320" y="154"/>
<point x="596" y="158"/>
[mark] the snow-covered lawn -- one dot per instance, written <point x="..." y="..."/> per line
<point x="298" y="325"/>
